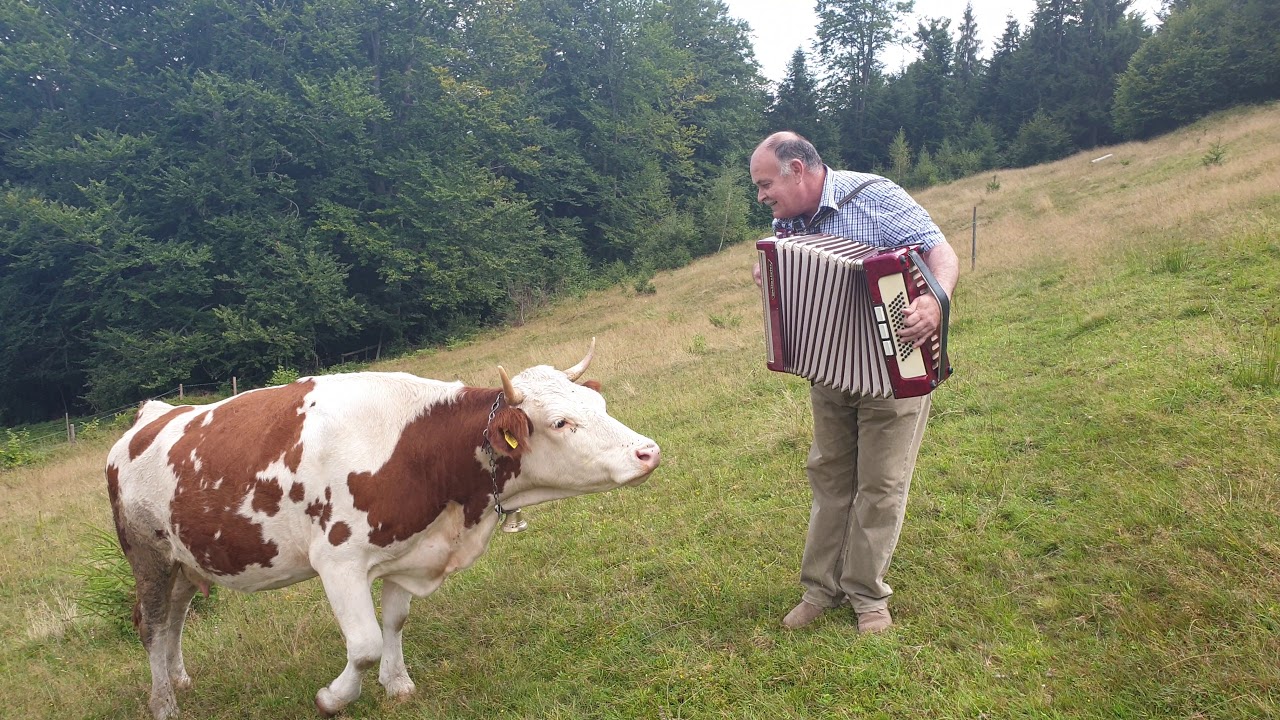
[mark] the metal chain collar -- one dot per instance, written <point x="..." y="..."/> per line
<point x="511" y="520"/>
<point x="493" y="458"/>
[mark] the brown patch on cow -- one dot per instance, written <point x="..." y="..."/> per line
<point x="117" y="512"/>
<point x="297" y="492"/>
<point x="339" y="534"/>
<point x="217" y="461"/>
<point x="142" y="439"/>
<point x="293" y="458"/>
<point x="434" y="464"/>
<point x="266" y="498"/>
<point x="321" y="511"/>
<point x="113" y="485"/>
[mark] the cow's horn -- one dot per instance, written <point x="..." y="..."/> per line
<point x="576" y="371"/>
<point x="514" y="396"/>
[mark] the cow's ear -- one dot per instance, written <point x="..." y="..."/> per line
<point x="509" y="432"/>
<point x="593" y="384"/>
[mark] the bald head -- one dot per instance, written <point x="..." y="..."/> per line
<point x="786" y="146"/>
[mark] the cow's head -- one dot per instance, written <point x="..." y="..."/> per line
<point x="567" y="442"/>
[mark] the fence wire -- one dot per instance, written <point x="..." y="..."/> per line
<point x="80" y="422"/>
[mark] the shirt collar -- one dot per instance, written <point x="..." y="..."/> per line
<point x="829" y="198"/>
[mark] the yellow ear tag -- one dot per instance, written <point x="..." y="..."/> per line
<point x="511" y="439"/>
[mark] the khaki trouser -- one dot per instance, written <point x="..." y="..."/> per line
<point x="864" y="451"/>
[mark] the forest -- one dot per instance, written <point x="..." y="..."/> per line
<point x="201" y="189"/>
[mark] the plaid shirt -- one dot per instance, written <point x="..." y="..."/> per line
<point x="883" y="214"/>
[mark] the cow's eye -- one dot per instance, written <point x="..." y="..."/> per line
<point x="559" y="424"/>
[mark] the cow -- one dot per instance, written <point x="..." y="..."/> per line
<point x="352" y="478"/>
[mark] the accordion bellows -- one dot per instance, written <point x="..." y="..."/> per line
<point x="833" y="309"/>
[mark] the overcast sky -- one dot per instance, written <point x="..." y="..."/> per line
<point x="781" y="26"/>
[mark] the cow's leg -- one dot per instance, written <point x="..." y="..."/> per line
<point x="171" y="634"/>
<point x="352" y="604"/>
<point x="395" y="609"/>
<point x="154" y="579"/>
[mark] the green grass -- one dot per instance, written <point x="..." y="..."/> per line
<point x="1093" y="531"/>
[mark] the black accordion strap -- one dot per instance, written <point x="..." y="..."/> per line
<point x="944" y="303"/>
<point x="825" y="212"/>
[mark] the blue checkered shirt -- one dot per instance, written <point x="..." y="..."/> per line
<point x="883" y="214"/>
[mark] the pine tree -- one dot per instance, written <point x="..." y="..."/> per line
<point x="796" y="105"/>
<point x="852" y="38"/>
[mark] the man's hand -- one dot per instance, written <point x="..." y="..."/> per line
<point x="921" y="320"/>
<point x="755" y="273"/>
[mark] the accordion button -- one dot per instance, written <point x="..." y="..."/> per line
<point x="884" y="330"/>
<point x="888" y="347"/>
<point x="880" y="317"/>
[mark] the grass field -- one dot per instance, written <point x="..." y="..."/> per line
<point x="1094" y="527"/>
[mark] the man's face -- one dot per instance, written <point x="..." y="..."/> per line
<point x="784" y="194"/>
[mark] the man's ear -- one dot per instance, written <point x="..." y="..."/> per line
<point x="797" y="167"/>
<point x="509" y="432"/>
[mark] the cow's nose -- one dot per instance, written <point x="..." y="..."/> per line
<point x="649" y="455"/>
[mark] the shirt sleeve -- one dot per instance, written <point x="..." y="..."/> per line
<point x="904" y="221"/>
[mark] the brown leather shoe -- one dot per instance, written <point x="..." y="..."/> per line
<point x="874" y="621"/>
<point x="802" y="615"/>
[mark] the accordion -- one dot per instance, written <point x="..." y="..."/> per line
<point x="833" y="309"/>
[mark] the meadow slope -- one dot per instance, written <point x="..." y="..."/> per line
<point x="1092" y="530"/>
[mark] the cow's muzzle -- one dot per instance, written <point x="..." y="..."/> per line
<point x="649" y="456"/>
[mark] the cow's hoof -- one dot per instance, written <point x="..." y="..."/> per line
<point x="328" y="704"/>
<point x="163" y="708"/>
<point x="401" y="687"/>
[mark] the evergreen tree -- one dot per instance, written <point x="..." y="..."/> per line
<point x="899" y="158"/>
<point x="1004" y="95"/>
<point x="1210" y="55"/>
<point x="925" y="173"/>
<point x="968" y="64"/>
<point x="796" y="106"/>
<point x="1110" y="36"/>
<point x="852" y="38"/>
<point x="1041" y="139"/>
<point x="934" y="115"/>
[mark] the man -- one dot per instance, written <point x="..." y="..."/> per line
<point x="864" y="448"/>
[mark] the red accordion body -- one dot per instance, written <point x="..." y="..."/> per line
<point x="833" y="309"/>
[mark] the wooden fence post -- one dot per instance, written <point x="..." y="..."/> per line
<point x="179" y="391"/>
<point x="233" y="386"/>
<point x="66" y="418"/>
<point x="973" y="252"/>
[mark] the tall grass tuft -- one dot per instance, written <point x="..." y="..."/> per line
<point x="1259" y="363"/>
<point x="727" y="321"/>
<point x="1173" y="260"/>
<point x="107" y="592"/>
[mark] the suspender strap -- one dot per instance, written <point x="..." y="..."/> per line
<point x="825" y="212"/>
